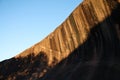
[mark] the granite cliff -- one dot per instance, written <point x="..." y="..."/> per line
<point x="86" y="46"/>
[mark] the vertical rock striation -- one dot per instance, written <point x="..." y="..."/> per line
<point x="86" y="46"/>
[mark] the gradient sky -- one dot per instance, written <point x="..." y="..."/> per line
<point x="26" y="22"/>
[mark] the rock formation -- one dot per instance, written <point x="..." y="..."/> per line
<point x="86" y="46"/>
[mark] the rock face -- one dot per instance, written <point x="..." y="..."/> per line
<point x="86" y="46"/>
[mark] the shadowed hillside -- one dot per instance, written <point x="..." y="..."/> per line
<point x="86" y="46"/>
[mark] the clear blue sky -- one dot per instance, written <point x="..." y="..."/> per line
<point x="26" y="22"/>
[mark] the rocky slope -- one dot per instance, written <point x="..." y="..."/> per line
<point x="86" y="46"/>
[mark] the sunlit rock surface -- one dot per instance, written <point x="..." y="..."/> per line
<point x="86" y="46"/>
